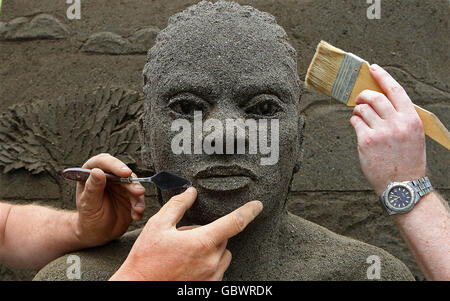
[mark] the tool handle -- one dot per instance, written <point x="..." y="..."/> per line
<point x="82" y="174"/>
<point x="433" y="127"/>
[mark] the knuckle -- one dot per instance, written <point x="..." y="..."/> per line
<point x="172" y="207"/>
<point x="229" y="255"/>
<point x="416" y="124"/>
<point x="176" y="202"/>
<point x="399" y="127"/>
<point x="206" y="244"/>
<point x="153" y="224"/>
<point x="360" y="97"/>
<point x="94" y="160"/>
<point x="102" y="156"/>
<point x="367" y="141"/>
<point x="239" y="222"/>
<point x="90" y="188"/>
<point x="379" y="98"/>
<point x="210" y="265"/>
<point x="365" y="94"/>
<point x="396" y="89"/>
<point x="400" y="132"/>
<point x="363" y="108"/>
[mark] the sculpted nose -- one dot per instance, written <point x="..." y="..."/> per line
<point x="231" y="123"/>
<point x="225" y="109"/>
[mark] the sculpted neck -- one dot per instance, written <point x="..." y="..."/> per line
<point x="255" y="251"/>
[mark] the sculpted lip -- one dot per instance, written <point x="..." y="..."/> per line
<point x="221" y="178"/>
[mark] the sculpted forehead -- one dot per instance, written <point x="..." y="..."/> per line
<point x="223" y="49"/>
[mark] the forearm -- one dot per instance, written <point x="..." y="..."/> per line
<point x="426" y="231"/>
<point x="35" y="235"/>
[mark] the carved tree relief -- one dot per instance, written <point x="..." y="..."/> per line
<point x="46" y="137"/>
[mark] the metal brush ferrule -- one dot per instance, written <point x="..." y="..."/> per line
<point x="346" y="77"/>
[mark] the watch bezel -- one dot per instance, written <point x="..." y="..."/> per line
<point x="395" y="209"/>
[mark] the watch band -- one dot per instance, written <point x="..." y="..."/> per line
<point x="422" y="186"/>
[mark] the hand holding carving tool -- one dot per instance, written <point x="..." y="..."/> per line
<point x="163" y="180"/>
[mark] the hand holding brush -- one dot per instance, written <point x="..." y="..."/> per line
<point x="343" y="76"/>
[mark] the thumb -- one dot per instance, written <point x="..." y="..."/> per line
<point x="92" y="195"/>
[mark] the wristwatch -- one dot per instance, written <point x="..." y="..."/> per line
<point x="401" y="197"/>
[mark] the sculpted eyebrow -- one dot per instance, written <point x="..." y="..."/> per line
<point x="178" y="85"/>
<point x="278" y="89"/>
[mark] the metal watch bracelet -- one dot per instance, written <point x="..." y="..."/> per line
<point x="422" y="186"/>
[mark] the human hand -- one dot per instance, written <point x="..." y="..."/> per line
<point x="106" y="210"/>
<point x="163" y="252"/>
<point x="391" y="139"/>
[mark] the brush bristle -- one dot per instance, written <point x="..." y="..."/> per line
<point x="324" y="68"/>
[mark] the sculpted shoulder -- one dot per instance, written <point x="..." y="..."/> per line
<point x="312" y="250"/>
<point x="95" y="264"/>
<point x="336" y="257"/>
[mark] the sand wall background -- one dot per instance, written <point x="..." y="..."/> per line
<point x="70" y="89"/>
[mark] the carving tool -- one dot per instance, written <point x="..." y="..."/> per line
<point x="163" y="180"/>
<point x="343" y="76"/>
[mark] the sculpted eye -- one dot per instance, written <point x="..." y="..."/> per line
<point x="187" y="104"/>
<point x="264" y="105"/>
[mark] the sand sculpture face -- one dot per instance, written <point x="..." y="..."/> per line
<point x="223" y="64"/>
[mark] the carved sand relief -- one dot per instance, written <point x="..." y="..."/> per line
<point x="48" y="136"/>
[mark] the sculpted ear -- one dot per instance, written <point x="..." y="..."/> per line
<point x="145" y="145"/>
<point x="301" y="132"/>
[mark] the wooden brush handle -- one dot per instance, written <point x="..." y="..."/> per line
<point x="433" y="127"/>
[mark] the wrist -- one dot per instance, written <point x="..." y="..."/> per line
<point x="399" y="198"/>
<point x="80" y="235"/>
<point x="127" y="272"/>
<point x="69" y="237"/>
<point x="379" y="189"/>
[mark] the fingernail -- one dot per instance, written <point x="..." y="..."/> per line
<point x="125" y="168"/>
<point x="138" y="186"/>
<point x="94" y="179"/>
<point x="374" y="67"/>
<point x="258" y="208"/>
<point x="190" y="189"/>
<point x="139" y="203"/>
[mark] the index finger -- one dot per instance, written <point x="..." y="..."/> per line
<point x="232" y="223"/>
<point x="393" y="90"/>
<point x="172" y="211"/>
<point x="108" y="163"/>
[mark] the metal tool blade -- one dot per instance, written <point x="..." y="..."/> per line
<point x="164" y="180"/>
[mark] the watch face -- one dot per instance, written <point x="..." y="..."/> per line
<point x="399" y="197"/>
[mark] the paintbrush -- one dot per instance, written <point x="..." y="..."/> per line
<point x="163" y="180"/>
<point x="343" y="76"/>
